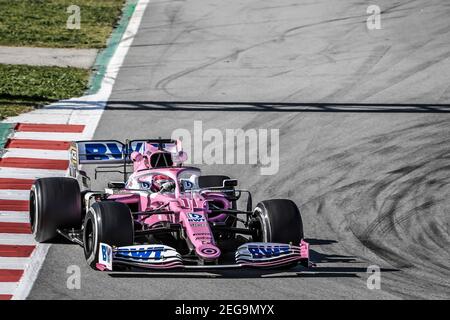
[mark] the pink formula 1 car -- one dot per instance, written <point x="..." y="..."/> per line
<point x="164" y="215"/>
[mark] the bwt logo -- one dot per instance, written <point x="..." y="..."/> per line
<point x="268" y="251"/>
<point x="155" y="253"/>
<point x="107" y="150"/>
<point x="195" y="217"/>
<point x="106" y="253"/>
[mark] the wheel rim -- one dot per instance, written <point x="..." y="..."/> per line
<point x="33" y="213"/>
<point x="89" y="238"/>
<point x="256" y="226"/>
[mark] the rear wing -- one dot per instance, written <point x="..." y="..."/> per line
<point x="97" y="152"/>
<point x="108" y="152"/>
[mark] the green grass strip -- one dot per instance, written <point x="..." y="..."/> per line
<point x="24" y="87"/>
<point x="43" y="23"/>
<point x="5" y="131"/>
<point x="104" y="56"/>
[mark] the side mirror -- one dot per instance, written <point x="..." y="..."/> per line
<point x="182" y="156"/>
<point x="228" y="183"/>
<point x="116" y="185"/>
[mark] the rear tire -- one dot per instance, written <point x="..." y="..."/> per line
<point x="277" y="220"/>
<point x="55" y="203"/>
<point x="108" y="222"/>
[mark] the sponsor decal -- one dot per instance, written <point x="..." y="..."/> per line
<point x="268" y="251"/>
<point x="104" y="150"/>
<point x="145" y="185"/>
<point x="105" y="256"/>
<point x="206" y="239"/>
<point x="209" y="251"/>
<point x="195" y="217"/>
<point x="198" y="225"/>
<point x="187" y="185"/>
<point x="154" y="253"/>
<point x="73" y="155"/>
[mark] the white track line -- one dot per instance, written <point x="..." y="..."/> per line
<point x="31" y="272"/>
<point x="8" y="287"/>
<point x="22" y="173"/>
<point x="36" y="154"/>
<point x="53" y="136"/>
<point x="14" y="263"/>
<point x="14" y="216"/>
<point x="14" y="194"/>
<point x="65" y="112"/>
<point x="44" y="116"/>
<point x="37" y="117"/>
<point x="17" y="239"/>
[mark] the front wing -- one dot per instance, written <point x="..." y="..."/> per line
<point x="161" y="257"/>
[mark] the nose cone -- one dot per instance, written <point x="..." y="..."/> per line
<point x="208" y="251"/>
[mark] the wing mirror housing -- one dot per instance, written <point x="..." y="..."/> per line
<point x="229" y="183"/>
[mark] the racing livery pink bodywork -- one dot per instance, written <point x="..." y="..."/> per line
<point x="164" y="215"/>
<point x="186" y="207"/>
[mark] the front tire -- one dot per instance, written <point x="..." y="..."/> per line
<point x="108" y="222"/>
<point x="55" y="203"/>
<point x="278" y="221"/>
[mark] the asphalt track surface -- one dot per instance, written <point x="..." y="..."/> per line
<point x="372" y="182"/>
